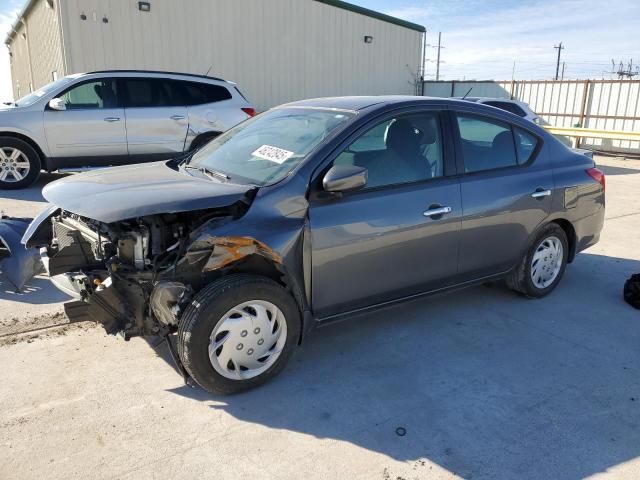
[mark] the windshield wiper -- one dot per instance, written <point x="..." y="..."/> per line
<point x="208" y="171"/>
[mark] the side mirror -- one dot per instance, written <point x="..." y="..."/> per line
<point x="343" y="178"/>
<point x="57" y="104"/>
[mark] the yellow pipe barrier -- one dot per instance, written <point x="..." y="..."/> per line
<point x="593" y="133"/>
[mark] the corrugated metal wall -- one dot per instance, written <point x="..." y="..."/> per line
<point x="20" y="68"/>
<point x="600" y="104"/>
<point x="277" y="50"/>
<point x="38" y="53"/>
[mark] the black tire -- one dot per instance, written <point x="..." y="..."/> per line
<point x="205" y="311"/>
<point x="520" y="278"/>
<point x="32" y="156"/>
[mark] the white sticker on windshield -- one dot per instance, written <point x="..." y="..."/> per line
<point x="273" y="154"/>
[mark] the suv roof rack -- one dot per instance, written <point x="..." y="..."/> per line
<point x="161" y="72"/>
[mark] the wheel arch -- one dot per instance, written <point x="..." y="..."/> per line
<point x="31" y="142"/>
<point x="570" y="232"/>
<point x="265" y="266"/>
<point x="203" y="138"/>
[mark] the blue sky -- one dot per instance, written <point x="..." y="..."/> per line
<point x="483" y="38"/>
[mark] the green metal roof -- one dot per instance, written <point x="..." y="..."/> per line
<point x="373" y="14"/>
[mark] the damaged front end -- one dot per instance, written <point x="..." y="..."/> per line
<point x="135" y="276"/>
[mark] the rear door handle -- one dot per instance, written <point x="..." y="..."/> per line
<point x="540" y="193"/>
<point x="432" y="212"/>
<point x="177" y="117"/>
<point x="112" y="119"/>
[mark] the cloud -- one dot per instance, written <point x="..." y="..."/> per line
<point x="484" y="37"/>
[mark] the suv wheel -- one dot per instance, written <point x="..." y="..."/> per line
<point x="543" y="265"/>
<point x="19" y="163"/>
<point x="237" y="333"/>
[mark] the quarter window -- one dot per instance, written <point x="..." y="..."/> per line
<point x="97" y="94"/>
<point x="400" y="150"/>
<point x="525" y="144"/>
<point x="200" y="93"/>
<point x="486" y="144"/>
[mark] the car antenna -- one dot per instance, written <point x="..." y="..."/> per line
<point x="207" y="74"/>
<point x="468" y="92"/>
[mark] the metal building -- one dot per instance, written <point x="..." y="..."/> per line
<point x="277" y="50"/>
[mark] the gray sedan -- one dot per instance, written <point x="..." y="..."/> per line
<point x="312" y="212"/>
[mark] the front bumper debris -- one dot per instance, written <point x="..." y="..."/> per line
<point x="17" y="263"/>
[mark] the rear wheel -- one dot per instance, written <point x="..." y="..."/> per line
<point x="543" y="265"/>
<point x="19" y="163"/>
<point x="237" y="333"/>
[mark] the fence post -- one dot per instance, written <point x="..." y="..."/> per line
<point x="583" y="107"/>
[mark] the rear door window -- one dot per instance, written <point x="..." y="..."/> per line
<point x="152" y="92"/>
<point x="487" y="144"/>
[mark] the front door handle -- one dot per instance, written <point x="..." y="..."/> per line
<point x="540" y="193"/>
<point x="432" y="212"/>
<point x="177" y="117"/>
<point x="112" y="119"/>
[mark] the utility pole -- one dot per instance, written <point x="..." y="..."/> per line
<point x="562" y="74"/>
<point x="559" y="48"/>
<point x="438" y="60"/>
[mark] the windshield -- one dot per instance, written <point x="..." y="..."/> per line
<point x="268" y="147"/>
<point x="33" y="97"/>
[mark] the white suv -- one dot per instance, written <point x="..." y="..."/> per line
<point x="112" y="118"/>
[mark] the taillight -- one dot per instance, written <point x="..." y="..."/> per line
<point x="249" y="111"/>
<point x="597" y="175"/>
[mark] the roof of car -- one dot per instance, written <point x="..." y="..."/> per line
<point x="357" y="103"/>
<point x="160" y="72"/>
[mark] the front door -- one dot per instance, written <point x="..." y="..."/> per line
<point x="506" y="186"/>
<point x="397" y="236"/>
<point x="157" y="119"/>
<point x="91" y="131"/>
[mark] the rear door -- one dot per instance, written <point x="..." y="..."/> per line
<point x="388" y="240"/>
<point x="211" y="108"/>
<point x="91" y="131"/>
<point x="156" y="118"/>
<point x="506" y="186"/>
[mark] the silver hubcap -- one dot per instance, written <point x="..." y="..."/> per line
<point x="14" y="165"/>
<point x="247" y="340"/>
<point x="546" y="262"/>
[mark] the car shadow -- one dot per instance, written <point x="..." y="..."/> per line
<point x="33" y="193"/>
<point x="609" y="170"/>
<point x="38" y="291"/>
<point x="481" y="381"/>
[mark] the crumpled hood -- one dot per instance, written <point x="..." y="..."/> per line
<point x="119" y="193"/>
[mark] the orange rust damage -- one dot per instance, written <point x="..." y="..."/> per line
<point x="228" y="250"/>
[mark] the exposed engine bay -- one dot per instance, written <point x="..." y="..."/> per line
<point x="135" y="276"/>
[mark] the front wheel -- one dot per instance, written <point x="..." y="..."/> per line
<point x="237" y="333"/>
<point x="543" y="264"/>
<point x="19" y="164"/>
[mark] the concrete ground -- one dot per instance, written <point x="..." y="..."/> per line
<point x="478" y="384"/>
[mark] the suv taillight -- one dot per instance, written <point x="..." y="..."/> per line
<point x="597" y="175"/>
<point x="249" y="111"/>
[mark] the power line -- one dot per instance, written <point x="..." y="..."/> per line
<point x="439" y="46"/>
<point x="560" y="48"/>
